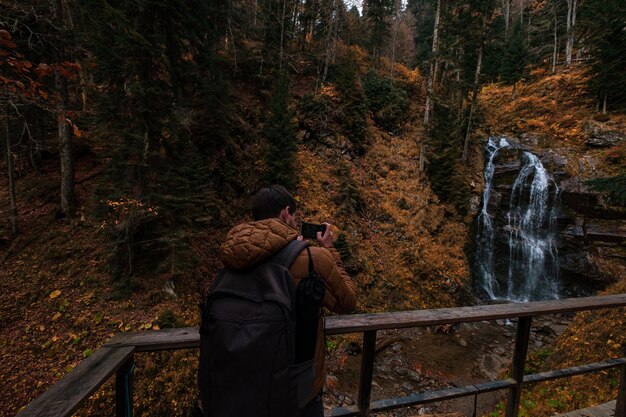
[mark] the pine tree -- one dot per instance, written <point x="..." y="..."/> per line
<point x="280" y="132"/>
<point x="155" y="61"/>
<point x="515" y="58"/>
<point x="377" y="15"/>
<point x="348" y="83"/>
<point x="603" y="26"/>
<point x="424" y="13"/>
<point x="445" y="147"/>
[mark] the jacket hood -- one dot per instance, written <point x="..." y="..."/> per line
<point x="251" y="243"/>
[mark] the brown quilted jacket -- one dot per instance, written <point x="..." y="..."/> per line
<point x="251" y="243"/>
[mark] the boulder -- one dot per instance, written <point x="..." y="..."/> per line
<point x="491" y="366"/>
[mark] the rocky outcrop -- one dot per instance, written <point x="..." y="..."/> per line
<point x="593" y="237"/>
<point x="591" y="232"/>
<point x="599" y="135"/>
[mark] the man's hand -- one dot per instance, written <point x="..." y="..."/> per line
<point x="326" y="240"/>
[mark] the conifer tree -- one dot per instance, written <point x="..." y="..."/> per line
<point x="424" y="13"/>
<point x="603" y="26"/>
<point x="280" y="133"/>
<point x="348" y="83"/>
<point x="445" y="150"/>
<point x="377" y="15"/>
<point x="154" y="62"/>
<point x="515" y="58"/>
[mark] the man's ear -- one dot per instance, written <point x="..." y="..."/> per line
<point x="283" y="214"/>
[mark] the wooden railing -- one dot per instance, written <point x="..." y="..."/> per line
<point x="116" y="357"/>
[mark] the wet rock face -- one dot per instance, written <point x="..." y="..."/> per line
<point x="591" y="233"/>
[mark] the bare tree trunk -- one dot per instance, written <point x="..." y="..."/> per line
<point x="506" y="10"/>
<point x="555" y="50"/>
<point x="65" y="147"/>
<point x="9" y="157"/>
<point x="604" y="103"/>
<point x="331" y="43"/>
<point x="473" y="104"/>
<point x="396" y="25"/>
<point x="434" y="65"/>
<point x="282" y="35"/>
<point x="422" y="161"/>
<point x="255" y="7"/>
<point x="571" y="22"/>
<point x="64" y="133"/>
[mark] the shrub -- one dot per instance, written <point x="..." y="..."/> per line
<point x="386" y="102"/>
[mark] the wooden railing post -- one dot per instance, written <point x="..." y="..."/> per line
<point x="367" y="372"/>
<point x="620" y="404"/>
<point x="519" y="362"/>
<point x="124" y="389"/>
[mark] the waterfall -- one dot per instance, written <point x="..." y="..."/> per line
<point x="486" y="235"/>
<point x="527" y="233"/>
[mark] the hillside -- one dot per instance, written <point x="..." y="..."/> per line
<point x="402" y="246"/>
<point x="554" y="112"/>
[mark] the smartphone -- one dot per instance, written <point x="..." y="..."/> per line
<point x="309" y="230"/>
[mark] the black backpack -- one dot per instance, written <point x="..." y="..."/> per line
<point x="248" y="340"/>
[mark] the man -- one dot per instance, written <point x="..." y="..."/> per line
<point x="274" y="226"/>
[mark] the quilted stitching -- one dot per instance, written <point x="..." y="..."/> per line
<point x="250" y="243"/>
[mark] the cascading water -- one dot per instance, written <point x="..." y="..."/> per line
<point x="486" y="235"/>
<point x="527" y="233"/>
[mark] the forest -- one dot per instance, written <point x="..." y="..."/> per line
<point x="134" y="133"/>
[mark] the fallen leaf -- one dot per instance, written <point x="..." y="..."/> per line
<point x="55" y="294"/>
<point x="97" y="318"/>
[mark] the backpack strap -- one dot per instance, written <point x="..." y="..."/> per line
<point x="311" y="268"/>
<point x="289" y="253"/>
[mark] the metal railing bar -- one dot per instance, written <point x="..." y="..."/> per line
<point x="490" y="386"/>
<point x="441" y="395"/>
<point x="575" y="370"/>
<point x="424" y="398"/>
<point x="351" y="410"/>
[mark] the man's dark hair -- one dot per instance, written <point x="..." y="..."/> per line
<point x="269" y="201"/>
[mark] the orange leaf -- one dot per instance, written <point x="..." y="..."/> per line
<point x="76" y="130"/>
<point x="43" y="70"/>
<point x="43" y="94"/>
